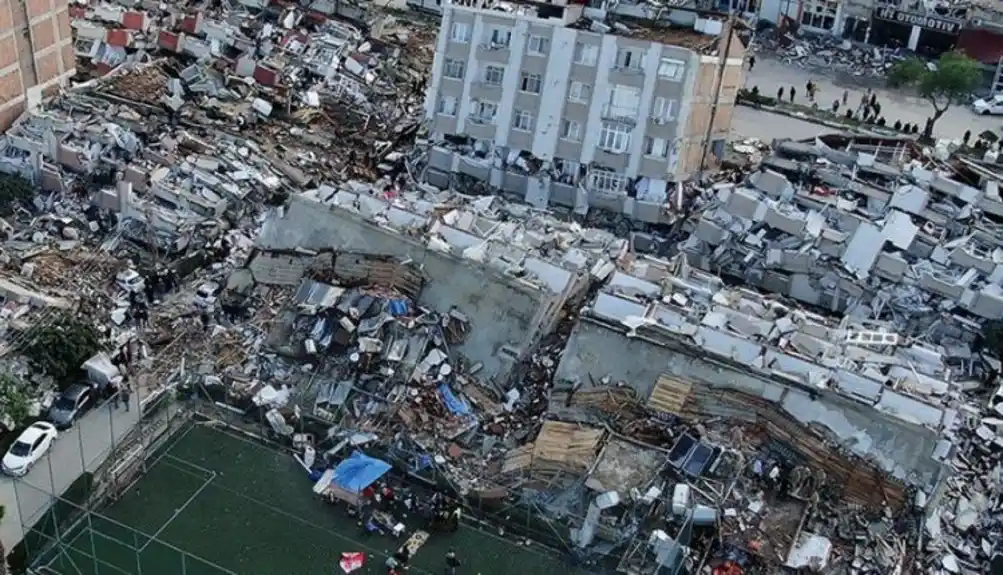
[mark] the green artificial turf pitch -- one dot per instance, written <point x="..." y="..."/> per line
<point x="216" y="503"/>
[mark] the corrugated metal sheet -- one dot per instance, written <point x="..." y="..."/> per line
<point x="670" y="395"/>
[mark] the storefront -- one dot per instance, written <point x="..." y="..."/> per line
<point x="928" y="33"/>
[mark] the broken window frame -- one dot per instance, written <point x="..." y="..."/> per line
<point x="538" y="45"/>
<point x="459" y="32"/>
<point x="586" y="54"/>
<point x="530" y="83"/>
<point x="584" y="92"/>
<point x="522" y="120"/>
<point x="624" y="101"/>
<point x="663" y="109"/>
<point x="490" y="71"/>
<point x="606" y="181"/>
<point x="459" y="68"/>
<point x="480" y="106"/>
<point x="614" y="137"/>
<point x="443" y="110"/>
<point x="569" y="134"/>
<point x="820" y="14"/>
<point x="629" y="59"/>
<point x="657" y="148"/>
<point x="671" y="69"/>
<point x="500" y="37"/>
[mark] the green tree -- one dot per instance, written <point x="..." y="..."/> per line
<point x="15" y="401"/>
<point x="59" y="348"/>
<point x="13" y="189"/>
<point x="952" y="80"/>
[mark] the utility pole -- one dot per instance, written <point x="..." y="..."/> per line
<point x="729" y="29"/>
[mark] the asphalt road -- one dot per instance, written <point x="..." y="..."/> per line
<point x="81" y="448"/>
<point x="752" y="123"/>
<point x="770" y="74"/>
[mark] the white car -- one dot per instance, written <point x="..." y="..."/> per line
<point x="987" y="106"/>
<point x="206" y="293"/>
<point x="130" y="281"/>
<point x="29" y="448"/>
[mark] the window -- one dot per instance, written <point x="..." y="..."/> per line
<point x="493" y="75"/>
<point x="663" y="109"/>
<point x="580" y="92"/>
<point x="586" y="54"/>
<point x="820" y="14"/>
<point x="608" y="181"/>
<point x="670" y="69"/>
<point x="446" y="106"/>
<point x="623" y="101"/>
<point x="567" y="168"/>
<point x="459" y="32"/>
<point x="454" y="69"/>
<point x="656" y="147"/>
<point x="484" y="112"/>
<point x="571" y="131"/>
<point x="530" y="83"/>
<point x="614" y="137"/>
<point x="522" y="120"/>
<point x="501" y="37"/>
<point x="539" y="45"/>
<point x="629" y="59"/>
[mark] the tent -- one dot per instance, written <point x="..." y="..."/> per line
<point x="358" y="472"/>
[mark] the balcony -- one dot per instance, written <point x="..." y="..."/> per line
<point x="624" y="114"/>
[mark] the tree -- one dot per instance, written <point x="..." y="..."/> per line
<point x="13" y="189"/>
<point x="15" y="402"/>
<point x="59" y="348"/>
<point x="952" y="80"/>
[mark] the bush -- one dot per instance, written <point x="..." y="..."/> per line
<point x="754" y="98"/>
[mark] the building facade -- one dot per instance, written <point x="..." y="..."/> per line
<point x="36" y="53"/>
<point x="582" y="114"/>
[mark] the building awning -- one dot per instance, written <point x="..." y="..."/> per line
<point x="981" y="45"/>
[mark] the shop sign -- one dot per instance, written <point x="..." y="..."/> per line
<point x="923" y="21"/>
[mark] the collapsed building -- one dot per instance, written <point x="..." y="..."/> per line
<point x="645" y="413"/>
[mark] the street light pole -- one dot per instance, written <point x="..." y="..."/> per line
<point x="719" y="85"/>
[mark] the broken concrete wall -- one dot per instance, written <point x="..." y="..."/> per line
<point x="507" y="317"/>
<point x="595" y="351"/>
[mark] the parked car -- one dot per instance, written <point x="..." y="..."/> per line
<point x="32" y="444"/>
<point x="988" y="106"/>
<point x="206" y="294"/>
<point x="70" y="405"/>
<point x="130" y="280"/>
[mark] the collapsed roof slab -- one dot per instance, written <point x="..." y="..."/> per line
<point x="597" y="350"/>
<point x="507" y="316"/>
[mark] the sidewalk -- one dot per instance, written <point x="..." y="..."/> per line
<point x="769" y="75"/>
<point x="81" y="448"/>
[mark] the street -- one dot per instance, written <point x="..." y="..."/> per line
<point x="752" y="123"/>
<point x="85" y="446"/>
<point x="770" y="74"/>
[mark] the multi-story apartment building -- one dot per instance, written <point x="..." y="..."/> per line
<point x="36" y="53"/>
<point x="559" y="103"/>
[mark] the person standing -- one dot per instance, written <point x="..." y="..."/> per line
<point x="810" y="90"/>
<point x="126" y="394"/>
<point x="452" y="562"/>
<point x="793" y="93"/>
<point x="752" y="62"/>
<point x="780" y="95"/>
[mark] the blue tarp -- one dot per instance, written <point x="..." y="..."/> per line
<point x="359" y="472"/>
<point x="455" y="405"/>
<point x="398" y="307"/>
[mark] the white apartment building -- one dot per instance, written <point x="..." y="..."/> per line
<point x="555" y="104"/>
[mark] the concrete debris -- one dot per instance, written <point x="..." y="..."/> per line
<point x="786" y="365"/>
<point x="826" y="54"/>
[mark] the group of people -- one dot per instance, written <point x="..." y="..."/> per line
<point x="398" y="562"/>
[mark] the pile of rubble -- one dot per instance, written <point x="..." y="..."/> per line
<point x="827" y="54"/>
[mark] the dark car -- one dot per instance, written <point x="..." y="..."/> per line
<point x="70" y="405"/>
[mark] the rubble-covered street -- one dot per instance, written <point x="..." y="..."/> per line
<point x="796" y="369"/>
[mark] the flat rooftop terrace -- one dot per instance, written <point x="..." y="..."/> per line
<point x="215" y="503"/>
